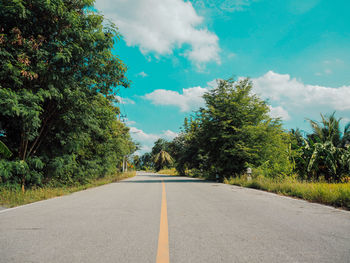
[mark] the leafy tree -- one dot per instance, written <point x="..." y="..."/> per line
<point x="146" y="161"/>
<point x="231" y="132"/>
<point x="58" y="80"/>
<point x="137" y="162"/>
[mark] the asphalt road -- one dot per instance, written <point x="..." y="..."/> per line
<point x="198" y="221"/>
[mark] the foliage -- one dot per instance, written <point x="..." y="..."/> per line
<point x="4" y="151"/>
<point x="10" y="197"/>
<point x="325" y="153"/>
<point x="136" y="162"/>
<point x="171" y="171"/>
<point x="58" y="83"/>
<point x="231" y="132"/>
<point x="336" y="194"/>
<point x="162" y="159"/>
<point x="160" y="145"/>
<point x="146" y="161"/>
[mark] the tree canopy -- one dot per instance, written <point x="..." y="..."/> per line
<point x="59" y="79"/>
<point x="233" y="131"/>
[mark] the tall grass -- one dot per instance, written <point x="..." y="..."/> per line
<point x="171" y="171"/>
<point x="335" y="194"/>
<point x="15" y="197"/>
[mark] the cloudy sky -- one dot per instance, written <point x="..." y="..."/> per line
<point x="297" y="53"/>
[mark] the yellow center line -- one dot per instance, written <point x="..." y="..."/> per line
<point x="163" y="239"/>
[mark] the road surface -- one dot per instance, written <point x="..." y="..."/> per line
<point x="152" y="218"/>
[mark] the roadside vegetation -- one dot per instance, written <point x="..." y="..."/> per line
<point x="234" y="132"/>
<point x="335" y="194"/>
<point x="59" y="125"/>
<point x="15" y="197"/>
<point x="169" y="171"/>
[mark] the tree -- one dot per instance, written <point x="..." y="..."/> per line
<point x="58" y="76"/>
<point x="326" y="150"/>
<point x="146" y="161"/>
<point x="328" y="130"/>
<point x="160" y="145"/>
<point x="137" y="162"/>
<point x="231" y="132"/>
<point x="162" y="159"/>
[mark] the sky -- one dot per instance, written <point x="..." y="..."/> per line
<point x="296" y="52"/>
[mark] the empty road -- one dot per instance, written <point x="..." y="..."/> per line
<point x="153" y="218"/>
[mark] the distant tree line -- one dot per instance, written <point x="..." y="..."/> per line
<point x="234" y="131"/>
<point x="58" y="80"/>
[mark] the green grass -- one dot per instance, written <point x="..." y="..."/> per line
<point x="171" y="171"/>
<point x="15" y="197"/>
<point x="335" y="194"/>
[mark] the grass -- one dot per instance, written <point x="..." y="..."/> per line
<point x="171" y="171"/>
<point x="12" y="197"/>
<point x="335" y="194"/>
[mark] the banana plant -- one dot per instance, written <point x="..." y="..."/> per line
<point x="332" y="161"/>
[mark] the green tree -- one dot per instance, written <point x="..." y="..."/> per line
<point x="146" y="161"/>
<point x="162" y="160"/>
<point x="328" y="130"/>
<point x="231" y="132"/>
<point x="58" y="77"/>
<point x="160" y="145"/>
<point x="326" y="150"/>
<point x="137" y="162"/>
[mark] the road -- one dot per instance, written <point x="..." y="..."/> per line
<point x="152" y="218"/>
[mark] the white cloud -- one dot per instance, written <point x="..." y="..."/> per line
<point x="290" y="92"/>
<point x="141" y="136"/>
<point x="161" y="26"/>
<point x="190" y="98"/>
<point x="279" y="112"/>
<point x="142" y="74"/>
<point x="129" y="122"/>
<point x="288" y="95"/>
<point x="170" y="134"/>
<point x="147" y="139"/>
<point x="124" y="100"/>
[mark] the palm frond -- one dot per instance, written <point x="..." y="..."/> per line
<point x="162" y="159"/>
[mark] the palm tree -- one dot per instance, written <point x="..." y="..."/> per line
<point x="326" y="130"/>
<point x="330" y="148"/>
<point x="162" y="159"/>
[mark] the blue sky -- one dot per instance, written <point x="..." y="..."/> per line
<point x="297" y="53"/>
